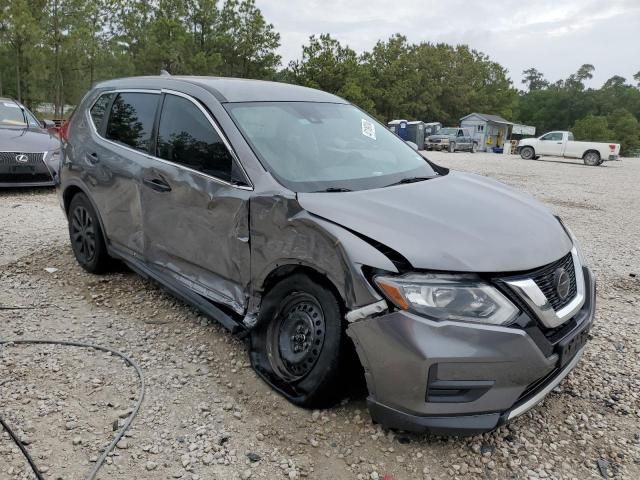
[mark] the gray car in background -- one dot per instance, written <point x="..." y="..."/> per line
<point x="29" y="152"/>
<point x="293" y="217"/>
<point x="452" y="139"/>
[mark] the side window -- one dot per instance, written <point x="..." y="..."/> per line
<point x="556" y="136"/>
<point x="186" y="136"/>
<point x="131" y="119"/>
<point x="461" y="133"/>
<point x="570" y="137"/>
<point x="99" y="110"/>
<point x="548" y="136"/>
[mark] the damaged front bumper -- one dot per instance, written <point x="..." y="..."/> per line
<point x="462" y="378"/>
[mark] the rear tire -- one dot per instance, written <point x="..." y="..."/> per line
<point x="299" y="346"/>
<point x="85" y="233"/>
<point x="527" y="153"/>
<point x="592" y="159"/>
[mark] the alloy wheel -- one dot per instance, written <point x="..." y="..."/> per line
<point x="83" y="235"/>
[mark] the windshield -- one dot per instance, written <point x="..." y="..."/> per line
<point x="12" y="114"/>
<point x="448" y="131"/>
<point x="317" y="146"/>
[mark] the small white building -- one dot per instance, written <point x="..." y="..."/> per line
<point x="490" y="130"/>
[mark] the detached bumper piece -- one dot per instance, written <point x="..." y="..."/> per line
<point x="19" y="169"/>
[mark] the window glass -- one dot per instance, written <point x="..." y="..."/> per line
<point x="131" y="119"/>
<point x="570" y="136"/>
<point x="98" y="111"/>
<point x="185" y="136"/>
<point x="311" y="146"/>
<point x="553" y="136"/>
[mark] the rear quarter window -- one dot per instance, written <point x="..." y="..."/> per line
<point x="99" y="110"/>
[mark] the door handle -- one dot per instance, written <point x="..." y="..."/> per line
<point x="92" y="158"/>
<point x="157" y="184"/>
<point x="559" y="143"/>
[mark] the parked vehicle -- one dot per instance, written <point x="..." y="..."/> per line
<point x="562" y="144"/>
<point x="293" y="216"/>
<point x="452" y="139"/>
<point x="28" y="152"/>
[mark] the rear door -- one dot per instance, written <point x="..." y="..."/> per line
<point x="113" y="159"/>
<point x="195" y="204"/>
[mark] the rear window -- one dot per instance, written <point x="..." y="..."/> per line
<point x="131" y="119"/>
<point x="99" y="110"/>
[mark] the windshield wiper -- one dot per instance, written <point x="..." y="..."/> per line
<point x="410" y="180"/>
<point x="333" y="190"/>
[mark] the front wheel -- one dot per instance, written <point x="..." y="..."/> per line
<point x="299" y="343"/>
<point x="527" y="153"/>
<point x="452" y="147"/>
<point x="592" y="159"/>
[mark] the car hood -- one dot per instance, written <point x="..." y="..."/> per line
<point x="437" y="137"/>
<point x="15" y="139"/>
<point x="458" y="222"/>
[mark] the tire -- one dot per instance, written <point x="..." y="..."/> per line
<point x="592" y="159"/>
<point x="474" y="147"/>
<point x="527" y="153"/>
<point x="85" y="233"/>
<point x="299" y="345"/>
<point x="452" y="147"/>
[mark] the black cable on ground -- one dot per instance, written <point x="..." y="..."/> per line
<point x="22" y="449"/>
<point x="121" y="432"/>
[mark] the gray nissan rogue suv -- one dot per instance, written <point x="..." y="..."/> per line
<point x="290" y="215"/>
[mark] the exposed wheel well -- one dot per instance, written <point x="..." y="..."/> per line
<point x="284" y="271"/>
<point x="69" y="193"/>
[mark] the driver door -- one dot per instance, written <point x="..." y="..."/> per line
<point x="550" y="144"/>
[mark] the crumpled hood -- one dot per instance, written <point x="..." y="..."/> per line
<point x="458" y="222"/>
<point x="14" y="139"/>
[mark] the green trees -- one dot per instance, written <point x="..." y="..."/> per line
<point x="54" y="50"/>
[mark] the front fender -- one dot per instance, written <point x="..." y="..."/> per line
<point x="283" y="233"/>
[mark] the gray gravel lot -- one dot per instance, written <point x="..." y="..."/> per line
<point x="208" y="416"/>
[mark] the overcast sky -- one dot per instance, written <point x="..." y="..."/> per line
<point x="554" y="36"/>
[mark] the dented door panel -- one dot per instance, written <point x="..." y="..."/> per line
<point x="198" y="233"/>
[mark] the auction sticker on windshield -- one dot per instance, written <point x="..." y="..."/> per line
<point x="368" y="129"/>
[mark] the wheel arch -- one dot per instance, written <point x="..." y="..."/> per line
<point x="71" y="191"/>
<point x="591" y="150"/>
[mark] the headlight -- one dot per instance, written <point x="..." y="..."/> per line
<point x="574" y="240"/>
<point x="448" y="297"/>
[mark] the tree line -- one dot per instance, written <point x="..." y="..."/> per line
<point x="54" y="50"/>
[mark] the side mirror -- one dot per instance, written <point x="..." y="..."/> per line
<point x="47" y="124"/>
<point x="412" y="145"/>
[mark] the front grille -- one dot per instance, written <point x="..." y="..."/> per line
<point x="544" y="278"/>
<point x="9" y="158"/>
<point x="24" y="177"/>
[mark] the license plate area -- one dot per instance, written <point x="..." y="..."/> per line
<point x="568" y="347"/>
<point x="23" y="169"/>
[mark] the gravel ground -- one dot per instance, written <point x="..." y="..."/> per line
<point x="206" y="415"/>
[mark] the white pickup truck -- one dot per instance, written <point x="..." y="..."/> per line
<point x="562" y="144"/>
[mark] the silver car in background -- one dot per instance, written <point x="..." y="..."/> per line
<point x="293" y="217"/>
